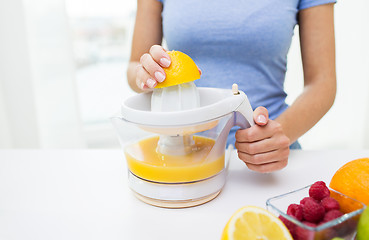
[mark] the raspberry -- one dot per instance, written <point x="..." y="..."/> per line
<point x="313" y="211"/>
<point x="302" y="202"/>
<point x="331" y="233"/>
<point x="295" y="210"/>
<point x="330" y="203"/>
<point x="319" y="190"/>
<point x="332" y="214"/>
<point x="304" y="234"/>
<point x="290" y="225"/>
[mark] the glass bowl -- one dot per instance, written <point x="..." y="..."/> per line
<point x="343" y="227"/>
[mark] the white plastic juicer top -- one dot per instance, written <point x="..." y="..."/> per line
<point x="213" y="103"/>
<point x="176" y="98"/>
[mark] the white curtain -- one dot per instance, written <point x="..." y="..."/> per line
<point x="38" y="103"/>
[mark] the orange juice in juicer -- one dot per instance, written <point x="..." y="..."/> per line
<point x="181" y="159"/>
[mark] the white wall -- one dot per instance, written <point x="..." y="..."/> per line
<point x="38" y="97"/>
<point x="346" y="125"/>
<point x="17" y="94"/>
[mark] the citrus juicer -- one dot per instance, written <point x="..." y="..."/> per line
<point x="180" y="160"/>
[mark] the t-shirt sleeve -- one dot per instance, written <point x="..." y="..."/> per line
<point x="311" y="3"/>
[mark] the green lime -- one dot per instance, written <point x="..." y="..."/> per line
<point x="337" y="238"/>
<point x="363" y="226"/>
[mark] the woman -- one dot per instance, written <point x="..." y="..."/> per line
<point x="245" y="42"/>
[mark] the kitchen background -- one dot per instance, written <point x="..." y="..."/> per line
<point x="63" y="74"/>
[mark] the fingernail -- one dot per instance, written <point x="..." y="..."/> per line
<point x="142" y="85"/>
<point x="159" y="76"/>
<point x="164" y="62"/>
<point x="151" y="83"/>
<point x="261" y="119"/>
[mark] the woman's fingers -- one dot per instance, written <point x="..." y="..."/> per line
<point x="144" y="79"/>
<point x="160" y="56"/>
<point x="261" y="116"/>
<point x="151" y="71"/>
<point x="199" y="70"/>
<point x="263" y="148"/>
<point x="261" y="130"/>
<point x="253" y="134"/>
<point x="257" y="133"/>
<point x="277" y="141"/>
<point x="155" y="71"/>
<point x="264" y="158"/>
<point x="268" y="167"/>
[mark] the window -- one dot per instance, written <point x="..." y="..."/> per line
<point x="101" y="33"/>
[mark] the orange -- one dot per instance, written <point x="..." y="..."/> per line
<point x="182" y="69"/>
<point x="251" y="222"/>
<point x="347" y="204"/>
<point x="352" y="179"/>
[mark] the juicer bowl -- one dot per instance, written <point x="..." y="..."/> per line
<point x="177" y="158"/>
<point x="179" y="194"/>
<point x="187" y="173"/>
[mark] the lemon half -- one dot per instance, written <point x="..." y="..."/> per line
<point x="252" y="223"/>
<point x="182" y="69"/>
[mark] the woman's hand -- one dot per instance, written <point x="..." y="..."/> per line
<point x="150" y="70"/>
<point x="264" y="147"/>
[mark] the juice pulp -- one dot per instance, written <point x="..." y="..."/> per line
<point x="144" y="161"/>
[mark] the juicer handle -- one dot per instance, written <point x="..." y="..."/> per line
<point x="244" y="113"/>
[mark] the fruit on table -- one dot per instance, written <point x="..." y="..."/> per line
<point x="330" y="203"/>
<point x="296" y="211"/>
<point x="363" y="226"/>
<point x="352" y="179"/>
<point x="332" y="214"/>
<point x="318" y="191"/>
<point x="250" y="223"/>
<point x="182" y="69"/>
<point x="346" y="203"/>
<point x="302" y="233"/>
<point x="312" y="211"/>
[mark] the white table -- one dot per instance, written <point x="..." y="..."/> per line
<point x="83" y="194"/>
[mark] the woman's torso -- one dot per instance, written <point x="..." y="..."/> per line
<point x="243" y="42"/>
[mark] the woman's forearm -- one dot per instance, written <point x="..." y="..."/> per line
<point x="316" y="28"/>
<point x="308" y="108"/>
<point x="147" y="32"/>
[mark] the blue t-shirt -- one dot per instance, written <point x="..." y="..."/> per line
<point x="240" y="41"/>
